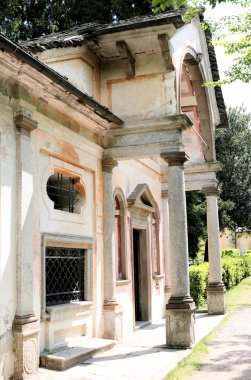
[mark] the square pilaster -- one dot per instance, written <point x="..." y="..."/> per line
<point x="180" y="319"/>
<point x="216" y="299"/>
<point x="113" y="322"/>
<point x="26" y="346"/>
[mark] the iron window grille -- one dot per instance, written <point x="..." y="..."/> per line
<point x="64" y="268"/>
<point x="61" y="190"/>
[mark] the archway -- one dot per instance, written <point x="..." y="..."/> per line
<point x="194" y="101"/>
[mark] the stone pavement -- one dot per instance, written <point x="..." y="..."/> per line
<point x="229" y="356"/>
<point x="141" y="356"/>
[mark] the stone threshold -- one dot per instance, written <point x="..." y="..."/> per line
<point x="140" y="324"/>
<point x="76" y="352"/>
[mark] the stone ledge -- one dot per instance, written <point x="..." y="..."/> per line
<point x="123" y="282"/>
<point x="77" y="351"/>
<point x="61" y="312"/>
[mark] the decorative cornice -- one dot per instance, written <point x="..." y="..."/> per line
<point x="175" y="158"/>
<point x="108" y="164"/>
<point x="24" y="124"/>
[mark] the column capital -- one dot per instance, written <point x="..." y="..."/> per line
<point x="164" y="194"/>
<point x="174" y="158"/>
<point x="108" y="164"/>
<point x="210" y="190"/>
<point x="24" y="124"/>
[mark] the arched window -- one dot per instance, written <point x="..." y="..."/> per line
<point x="120" y="241"/>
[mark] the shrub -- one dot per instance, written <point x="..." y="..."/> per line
<point x="246" y="258"/>
<point x="234" y="269"/>
<point x="198" y="282"/>
<point x="230" y="252"/>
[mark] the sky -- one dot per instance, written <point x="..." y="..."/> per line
<point x="237" y="93"/>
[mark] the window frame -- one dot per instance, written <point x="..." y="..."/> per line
<point x="120" y="215"/>
<point x="68" y="241"/>
<point x="55" y="165"/>
<point x="72" y="193"/>
<point x="64" y="288"/>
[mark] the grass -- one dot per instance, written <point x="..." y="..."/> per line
<point x="236" y="299"/>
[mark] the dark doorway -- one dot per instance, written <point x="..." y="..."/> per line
<point x="137" y="290"/>
<point x="141" y="300"/>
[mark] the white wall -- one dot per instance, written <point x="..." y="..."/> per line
<point x="77" y="71"/>
<point x="7" y="240"/>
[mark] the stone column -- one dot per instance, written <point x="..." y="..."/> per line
<point x="216" y="298"/>
<point x="180" y="310"/>
<point x="26" y="326"/>
<point x="166" y="245"/>
<point x="112" y="311"/>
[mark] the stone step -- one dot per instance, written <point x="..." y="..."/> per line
<point x="76" y="351"/>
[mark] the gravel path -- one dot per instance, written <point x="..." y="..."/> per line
<point x="229" y="355"/>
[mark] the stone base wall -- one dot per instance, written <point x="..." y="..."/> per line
<point x="6" y="356"/>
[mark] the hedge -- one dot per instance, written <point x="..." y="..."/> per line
<point x="234" y="269"/>
<point x="198" y="282"/>
<point x="230" y="252"/>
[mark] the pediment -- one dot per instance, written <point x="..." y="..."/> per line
<point x="141" y="197"/>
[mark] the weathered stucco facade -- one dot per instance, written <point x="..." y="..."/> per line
<point x="132" y="129"/>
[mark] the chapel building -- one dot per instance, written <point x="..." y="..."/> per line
<point x="103" y="128"/>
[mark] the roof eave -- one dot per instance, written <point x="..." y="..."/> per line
<point x="57" y="78"/>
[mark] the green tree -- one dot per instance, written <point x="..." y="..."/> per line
<point x="196" y="220"/>
<point x="24" y="19"/>
<point x="233" y="147"/>
<point x="230" y="32"/>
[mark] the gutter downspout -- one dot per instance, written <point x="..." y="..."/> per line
<point x="57" y="78"/>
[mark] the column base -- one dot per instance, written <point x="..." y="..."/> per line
<point x="216" y="298"/>
<point x="113" y="321"/>
<point x="180" y="319"/>
<point x="26" y="347"/>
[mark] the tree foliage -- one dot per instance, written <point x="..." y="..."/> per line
<point x="24" y="19"/>
<point x="196" y="220"/>
<point x="230" y="32"/>
<point x="233" y="146"/>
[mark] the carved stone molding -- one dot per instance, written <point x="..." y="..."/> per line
<point x="31" y="356"/>
<point x="166" y="54"/>
<point x="24" y="124"/>
<point x="164" y="194"/>
<point x="21" y="321"/>
<point x="108" y="164"/>
<point x="193" y="61"/>
<point x="175" y="158"/>
<point x="26" y="347"/>
<point x="212" y="190"/>
<point x="127" y="58"/>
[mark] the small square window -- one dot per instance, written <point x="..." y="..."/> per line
<point x="64" y="271"/>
